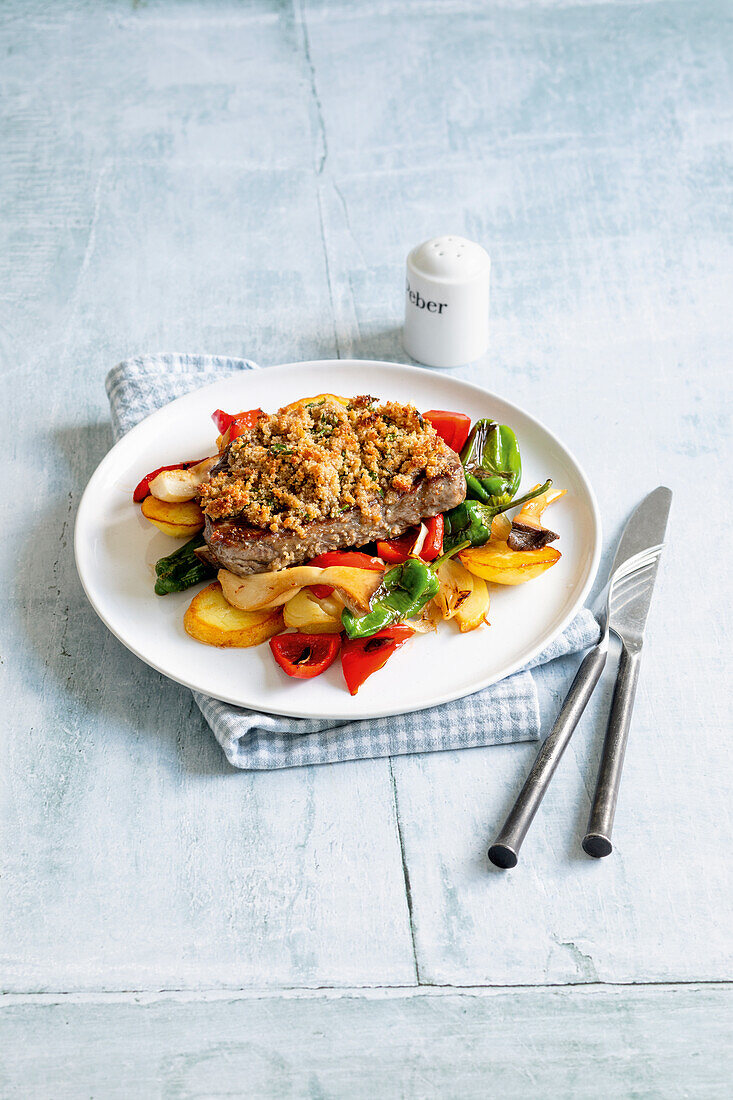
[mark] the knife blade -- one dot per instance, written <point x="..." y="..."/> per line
<point x="646" y="528"/>
<point x="629" y="609"/>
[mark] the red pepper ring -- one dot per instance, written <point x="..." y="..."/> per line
<point x="452" y="427"/>
<point x="360" y="657"/>
<point x="142" y="489"/>
<point x="354" y="559"/>
<point x="304" y="656"/>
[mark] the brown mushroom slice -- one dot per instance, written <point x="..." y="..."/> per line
<point x="258" y="591"/>
<point x="527" y="536"/>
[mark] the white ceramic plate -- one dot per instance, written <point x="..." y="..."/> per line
<point x="116" y="550"/>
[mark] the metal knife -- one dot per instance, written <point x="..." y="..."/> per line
<point x="628" y="614"/>
<point x="623" y="607"/>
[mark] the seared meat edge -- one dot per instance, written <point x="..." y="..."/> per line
<point x="243" y="549"/>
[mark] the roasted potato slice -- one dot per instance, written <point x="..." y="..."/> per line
<point x="306" y="614"/>
<point x="496" y="562"/>
<point x="179" y="520"/>
<point x="213" y="621"/>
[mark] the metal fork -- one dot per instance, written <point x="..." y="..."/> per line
<point x="620" y="588"/>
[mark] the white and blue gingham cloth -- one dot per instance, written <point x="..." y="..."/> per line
<point x="507" y="711"/>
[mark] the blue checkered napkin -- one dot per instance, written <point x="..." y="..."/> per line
<point x="139" y="386"/>
<point x="507" y="711"/>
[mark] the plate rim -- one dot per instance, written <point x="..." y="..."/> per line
<point x="444" y="698"/>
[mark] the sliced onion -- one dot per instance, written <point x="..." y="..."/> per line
<point x="473" y="611"/>
<point x="428" y="621"/>
<point x="501" y="527"/>
<point x="332" y="605"/>
<point x="456" y="586"/>
<point x="419" y="541"/>
<point x="177" y="486"/>
<point x="306" y="613"/>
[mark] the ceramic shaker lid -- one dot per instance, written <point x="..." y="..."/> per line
<point x="447" y="302"/>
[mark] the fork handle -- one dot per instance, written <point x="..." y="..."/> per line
<point x="597" y="840"/>
<point x="505" y="849"/>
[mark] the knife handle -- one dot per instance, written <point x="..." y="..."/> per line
<point x="505" y="849"/>
<point x="597" y="840"/>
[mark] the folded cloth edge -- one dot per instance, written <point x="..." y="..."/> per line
<point x="145" y="383"/>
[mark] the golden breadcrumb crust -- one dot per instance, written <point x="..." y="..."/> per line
<point x="323" y="458"/>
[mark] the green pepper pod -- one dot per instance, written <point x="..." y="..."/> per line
<point x="492" y="463"/>
<point x="183" y="568"/>
<point x="470" y="523"/>
<point x="404" y="591"/>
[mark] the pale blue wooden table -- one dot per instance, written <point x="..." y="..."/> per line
<point x="246" y="178"/>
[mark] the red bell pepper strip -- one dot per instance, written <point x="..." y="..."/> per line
<point x="452" y="427"/>
<point x="237" y="422"/>
<point x="142" y="489"/>
<point x="395" y="551"/>
<point x="243" y="423"/>
<point x="222" y="420"/>
<point x="360" y="657"/>
<point x="432" y="547"/>
<point x="304" y="656"/>
<point x="351" y="558"/>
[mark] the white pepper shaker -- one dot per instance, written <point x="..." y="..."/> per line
<point x="447" y="302"/>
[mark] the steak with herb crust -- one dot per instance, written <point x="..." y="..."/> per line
<point x="325" y="475"/>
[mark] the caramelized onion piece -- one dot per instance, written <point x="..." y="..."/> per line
<point x="177" y="486"/>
